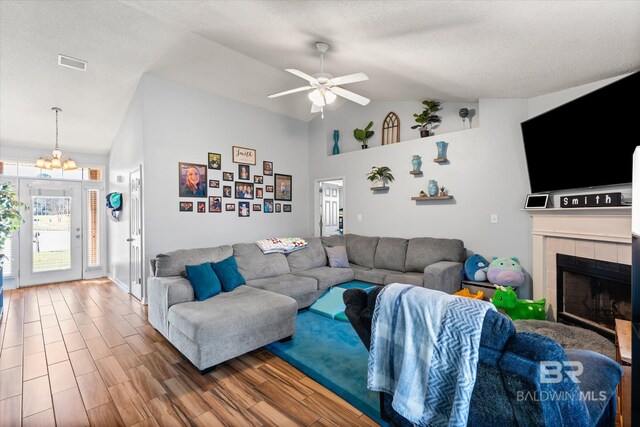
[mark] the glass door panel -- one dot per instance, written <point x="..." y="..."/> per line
<point x="51" y="233"/>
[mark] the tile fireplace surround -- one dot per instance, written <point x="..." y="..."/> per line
<point x="594" y="233"/>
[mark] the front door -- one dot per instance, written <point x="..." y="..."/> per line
<point x="51" y="237"/>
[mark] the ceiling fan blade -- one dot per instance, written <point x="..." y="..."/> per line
<point x="315" y="108"/>
<point x="358" y="99"/>
<point x="302" y="75"/>
<point x="287" y="92"/>
<point x="351" y="78"/>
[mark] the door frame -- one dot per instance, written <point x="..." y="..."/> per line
<point x="317" y="199"/>
<point x="26" y="232"/>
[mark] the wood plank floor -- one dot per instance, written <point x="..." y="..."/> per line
<point x="82" y="353"/>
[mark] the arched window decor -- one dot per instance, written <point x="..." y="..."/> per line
<point x="391" y="129"/>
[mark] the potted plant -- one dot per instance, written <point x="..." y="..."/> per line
<point x="363" y="135"/>
<point x="10" y="220"/>
<point x="428" y="117"/>
<point x="380" y="174"/>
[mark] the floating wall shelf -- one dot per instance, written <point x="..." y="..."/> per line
<point x="419" y="199"/>
<point x="418" y="173"/>
<point x="379" y="189"/>
<point x="440" y="160"/>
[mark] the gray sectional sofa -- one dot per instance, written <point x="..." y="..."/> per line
<point x="233" y="323"/>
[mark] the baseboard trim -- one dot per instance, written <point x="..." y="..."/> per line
<point x="119" y="283"/>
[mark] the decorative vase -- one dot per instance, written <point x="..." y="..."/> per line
<point x="442" y="151"/>
<point x="424" y="133"/>
<point x="336" y="137"/>
<point x="433" y="188"/>
<point x="416" y="162"/>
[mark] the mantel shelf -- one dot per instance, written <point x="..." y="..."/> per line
<point x="613" y="210"/>
<point x="419" y="199"/>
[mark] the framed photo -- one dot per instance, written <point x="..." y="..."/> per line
<point x="230" y="207"/>
<point x="259" y="193"/>
<point x="202" y="207"/>
<point x="243" y="209"/>
<point x="244" y="190"/>
<point x="267" y="168"/>
<point x="192" y="180"/>
<point x="215" y="204"/>
<point x="244" y="172"/>
<point x="257" y="208"/>
<point x="257" y="179"/>
<point x="214" y="183"/>
<point x="327" y="192"/>
<point x="334" y="192"/>
<point x="186" y="206"/>
<point x="226" y="191"/>
<point x="227" y="176"/>
<point x="282" y="187"/>
<point x="215" y="161"/>
<point x="278" y="207"/>
<point x="286" y="208"/>
<point x="269" y="189"/>
<point x="268" y="205"/>
<point x="243" y="155"/>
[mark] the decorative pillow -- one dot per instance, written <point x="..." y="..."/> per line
<point x="227" y="272"/>
<point x="284" y="245"/>
<point x="337" y="257"/>
<point x="204" y="281"/>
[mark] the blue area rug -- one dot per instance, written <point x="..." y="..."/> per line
<point x="330" y="352"/>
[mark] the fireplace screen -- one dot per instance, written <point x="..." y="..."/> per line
<point x="593" y="292"/>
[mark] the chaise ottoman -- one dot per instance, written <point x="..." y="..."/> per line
<point x="230" y="324"/>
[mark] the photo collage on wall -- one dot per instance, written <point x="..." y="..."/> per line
<point x="244" y="187"/>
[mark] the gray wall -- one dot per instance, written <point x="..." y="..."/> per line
<point x="486" y="175"/>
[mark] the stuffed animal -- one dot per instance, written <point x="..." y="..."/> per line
<point x="505" y="272"/>
<point x="465" y="292"/>
<point x="506" y="299"/>
<point x="475" y="268"/>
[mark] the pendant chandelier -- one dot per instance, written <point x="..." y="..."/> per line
<point x="56" y="160"/>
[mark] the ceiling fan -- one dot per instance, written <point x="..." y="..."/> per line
<point x="324" y="86"/>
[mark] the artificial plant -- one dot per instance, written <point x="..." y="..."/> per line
<point x="10" y="218"/>
<point x="382" y="174"/>
<point x="363" y="135"/>
<point x="428" y="117"/>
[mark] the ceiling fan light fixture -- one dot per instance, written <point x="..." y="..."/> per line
<point x="322" y="97"/>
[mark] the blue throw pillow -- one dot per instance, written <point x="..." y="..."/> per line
<point x="204" y="281"/>
<point x="227" y="271"/>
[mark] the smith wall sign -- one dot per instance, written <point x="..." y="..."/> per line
<point x="600" y="200"/>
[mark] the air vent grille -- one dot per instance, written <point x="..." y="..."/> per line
<point x="76" y="64"/>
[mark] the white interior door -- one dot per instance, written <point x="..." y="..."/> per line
<point x="330" y="207"/>
<point x="51" y="237"/>
<point x="135" y="234"/>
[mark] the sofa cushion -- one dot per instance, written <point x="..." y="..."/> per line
<point x="338" y="257"/>
<point x="424" y="251"/>
<point x="227" y="272"/>
<point x="361" y="249"/>
<point x="287" y="284"/>
<point x="327" y="276"/>
<point x="310" y="257"/>
<point x="330" y="241"/>
<point x="371" y="275"/>
<point x="415" y="279"/>
<point x="172" y="263"/>
<point x="221" y="318"/>
<point x="204" y="281"/>
<point x="253" y="264"/>
<point x="391" y="253"/>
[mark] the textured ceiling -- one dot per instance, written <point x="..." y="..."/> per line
<point x="411" y="50"/>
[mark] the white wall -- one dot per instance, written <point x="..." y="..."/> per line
<point x="125" y="156"/>
<point x="486" y="174"/>
<point x="29" y="155"/>
<point x="183" y="125"/>
<point x="351" y="116"/>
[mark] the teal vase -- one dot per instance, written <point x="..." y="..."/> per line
<point x="433" y="188"/>
<point x="336" y="137"/>
<point x="442" y="151"/>
<point x="416" y="162"/>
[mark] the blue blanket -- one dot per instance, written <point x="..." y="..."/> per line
<point x="424" y="351"/>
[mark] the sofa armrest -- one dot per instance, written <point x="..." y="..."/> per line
<point x="163" y="292"/>
<point x="443" y="276"/>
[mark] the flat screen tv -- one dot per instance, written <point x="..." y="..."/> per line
<point x="587" y="142"/>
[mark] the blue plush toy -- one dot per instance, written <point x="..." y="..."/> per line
<point x="475" y="268"/>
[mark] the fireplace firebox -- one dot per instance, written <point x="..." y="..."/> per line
<point x="593" y="293"/>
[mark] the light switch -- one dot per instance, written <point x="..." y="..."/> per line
<point x="359" y="217"/>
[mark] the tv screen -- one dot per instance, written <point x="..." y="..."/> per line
<point x="587" y="142"/>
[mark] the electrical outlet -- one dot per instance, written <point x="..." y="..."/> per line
<point x="494" y="218"/>
<point x="359" y="217"/>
